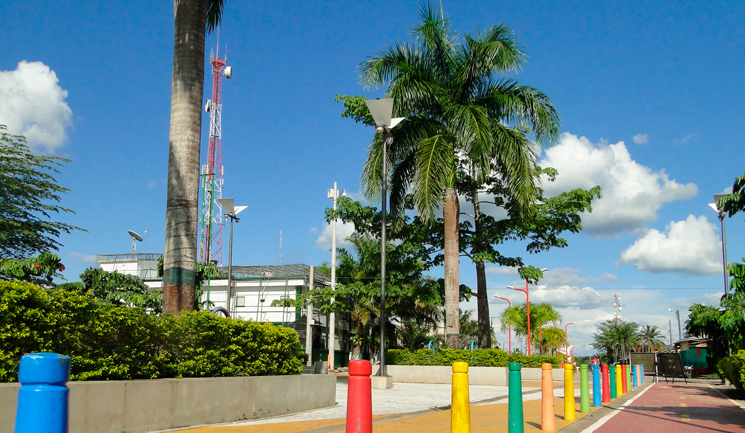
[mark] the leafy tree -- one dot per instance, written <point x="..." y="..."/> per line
<point x="616" y="338"/>
<point x="457" y="119"/>
<point x="652" y="338"/>
<point x="542" y="226"/>
<point x="550" y="338"/>
<point x="735" y="202"/>
<point x="516" y="316"/>
<point x="29" y="195"/>
<point x="40" y="270"/>
<point x="193" y="19"/>
<point x="120" y="289"/>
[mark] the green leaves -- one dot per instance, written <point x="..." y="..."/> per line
<point x="29" y="195"/>
<point x="475" y="358"/>
<point x="107" y="342"/>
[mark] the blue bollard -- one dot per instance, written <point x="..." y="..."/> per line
<point x="641" y="367"/>
<point x="634" y="375"/>
<point x="596" y="396"/>
<point x="43" y="397"/>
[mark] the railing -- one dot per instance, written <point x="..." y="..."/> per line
<point x="109" y="258"/>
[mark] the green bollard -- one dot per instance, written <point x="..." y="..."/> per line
<point x="515" y="402"/>
<point x="628" y="378"/>
<point x="613" y="389"/>
<point x="584" y="387"/>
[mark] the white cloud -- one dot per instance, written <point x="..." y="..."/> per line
<point x="501" y="270"/>
<point x="33" y="104"/>
<point x="567" y="296"/>
<point x="343" y="231"/>
<point x="641" y="139"/>
<point x="688" y="247"/>
<point x="83" y="257"/>
<point x="687" y="139"/>
<point x="632" y="193"/>
<point x="569" y="276"/>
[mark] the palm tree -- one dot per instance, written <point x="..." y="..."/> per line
<point x="540" y="314"/>
<point x="651" y="338"/>
<point x="455" y="114"/>
<point x="193" y="19"/>
<point x="616" y="337"/>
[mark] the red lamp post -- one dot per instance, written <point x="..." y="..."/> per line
<point x="527" y="303"/>
<point x="509" y="332"/>
<point x="566" y="338"/>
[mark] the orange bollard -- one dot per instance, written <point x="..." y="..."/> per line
<point x="548" y="423"/>
<point x="359" y="397"/>
<point x="623" y="379"/>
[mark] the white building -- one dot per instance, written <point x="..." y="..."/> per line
<point x="254" y="289"/>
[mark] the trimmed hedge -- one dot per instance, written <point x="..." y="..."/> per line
<point x="107" y="342"/>
<point x="732" y="368"/>
<point x="475" y="358"/>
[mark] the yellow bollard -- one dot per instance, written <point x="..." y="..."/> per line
<point x="460" y="408"/>
<point x="569" y="410"/>
<point x="619" y="381"/>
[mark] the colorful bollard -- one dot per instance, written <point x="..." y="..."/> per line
<point x="596" y="397"/>
<point x="548" y="413"/>
<point x="606" y="385"/>
<point x="584" y="390"/>
<point x="460" y="405"/>
<point x="628" y="378"/>
<point x="641" y="370"/>
<point x="359" y="397"/>
<point x="635" y="375"/>
<point x="515" y="401"/>
<point x="624" y="379"/>
<point x="569" y="409"/>
<point x="43" y="397"/>
<point x="619" y="381"/>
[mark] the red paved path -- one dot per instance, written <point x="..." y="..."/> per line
<point x="678" y="408"/>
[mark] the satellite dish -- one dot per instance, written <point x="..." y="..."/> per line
<point x="208" y="105"/>
<point x="228" y="72"/>
<point x="135" y="237"/>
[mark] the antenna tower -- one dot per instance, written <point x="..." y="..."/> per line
<point x="212" y="219"/>
<point x="617" y="304"/>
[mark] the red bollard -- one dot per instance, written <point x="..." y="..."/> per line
<point x="606" y="385"/>
<point x="623" y="379"/>
<point x="359" y="397"/>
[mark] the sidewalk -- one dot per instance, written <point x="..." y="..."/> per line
<point x="486" y="416"/>
<point x="681" y="408"/>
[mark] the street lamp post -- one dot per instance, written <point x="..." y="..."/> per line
<point x="527" y="307"/>
<point x="333" y="194"/>
<point x="230" y="212"/>
<point x="509" y="332"/>
<point x="566" y="338"/>
<point x="381" y="111"/>
<point x="715" y="206"/>
<point x="677" y="316"/>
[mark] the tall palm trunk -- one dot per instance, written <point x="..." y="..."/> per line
<point x="482" y="297"/>
<point x="450" y="214"/>
<point x="187" y="85"/>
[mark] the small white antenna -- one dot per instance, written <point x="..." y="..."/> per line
<point x="135" y="238"/>
<point x="280" y="247"/>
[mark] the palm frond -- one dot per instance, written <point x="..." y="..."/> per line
<point x="435" y="166"/>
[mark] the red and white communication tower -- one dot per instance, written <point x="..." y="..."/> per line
<point x="212" y="219"/>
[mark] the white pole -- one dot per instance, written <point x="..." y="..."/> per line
<point x="332" y="316"/>
<point x="308" y="320"/>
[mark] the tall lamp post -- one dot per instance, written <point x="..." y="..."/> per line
<point x="527" y="307"/>
<point x="509" y="332"/>
<point x="230" y="212"/>
<point x="381" y="111"/>
<point x="715" y="206"/>
<point x="677" y="315"/>
<point x="566" y="338"/>
<point x="333" y="194"/>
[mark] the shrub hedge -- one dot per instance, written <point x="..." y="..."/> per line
<point x="475" y="358"/>
<point x="108" y="342"/>
<point x="732" y="368"/>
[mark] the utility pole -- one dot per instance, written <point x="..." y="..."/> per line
<point x="670" y="325"/>
<point x="333" y="194"/>
<point x="308" y="320"/>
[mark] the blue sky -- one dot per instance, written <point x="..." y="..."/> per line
<point x="665" y="80"/>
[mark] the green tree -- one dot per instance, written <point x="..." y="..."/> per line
<point x="120" y="289"/>
<point x="734" y="202"/>
<point x="540" y="314"/>
<point x="29" y="195"/>
<point x="40" y="270"/>
<point x="652" y="338"/>
<point x="456" y="120"/>
<point x="616" y="338"/>
<point x="550" y="338"/>
<point x="193" y="19"/>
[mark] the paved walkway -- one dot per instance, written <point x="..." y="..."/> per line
<point x="679" y="408"/>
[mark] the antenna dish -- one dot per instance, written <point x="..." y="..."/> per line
<point x="228" y="72"/>
<point x="134" y="235"/>
<point x="208" y="106"/>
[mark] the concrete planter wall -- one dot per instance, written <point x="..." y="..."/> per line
<point x="494" y="376"/>
<point x="135" y="406"/>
